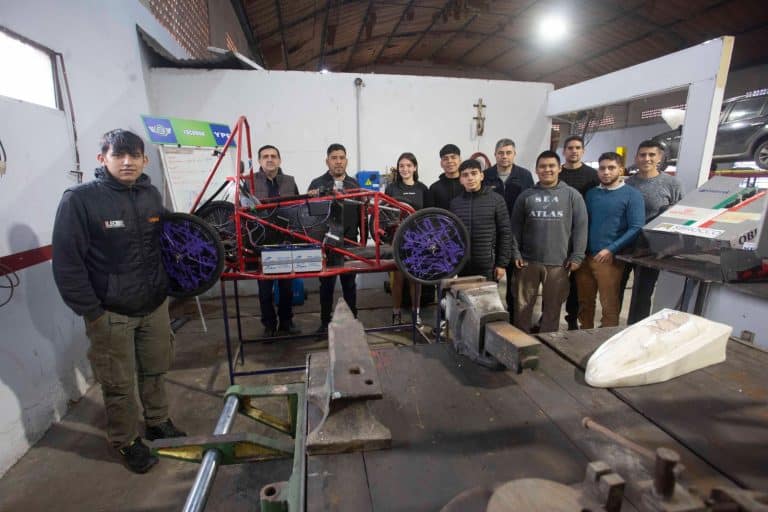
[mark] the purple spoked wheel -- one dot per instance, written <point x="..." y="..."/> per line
<point x="431" y="245"/>
<point x="192" y="253"/>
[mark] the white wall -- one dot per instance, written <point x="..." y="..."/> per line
<point x="302" y="113"/>
<point x="42" y="345"/>
<point x="609" y="140"/>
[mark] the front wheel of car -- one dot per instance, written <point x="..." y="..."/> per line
<point x="761" y="155"/>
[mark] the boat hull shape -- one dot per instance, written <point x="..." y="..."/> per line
<point x="663" y="346"/>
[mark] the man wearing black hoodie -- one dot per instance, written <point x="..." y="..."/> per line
<point x="447" y="186"/>
<point x="108" y="268"/>
<point x="484" y="213"/>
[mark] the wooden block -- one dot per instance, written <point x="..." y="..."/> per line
<point x="511" y="346"/>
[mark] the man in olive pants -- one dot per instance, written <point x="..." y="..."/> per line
<point x="108" y="268"/>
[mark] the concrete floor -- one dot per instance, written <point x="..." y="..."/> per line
<point x="72" y="468"/>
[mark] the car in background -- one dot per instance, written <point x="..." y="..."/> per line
<point x="741" y="135"/>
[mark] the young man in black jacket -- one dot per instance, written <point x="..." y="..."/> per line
<point x="108" y="268"/>
<point x="484" y="213"/>
<point x="336" y="178"/>
<point x="447" y="186"/>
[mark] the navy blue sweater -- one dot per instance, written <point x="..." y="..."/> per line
<point x="615" y="218"/>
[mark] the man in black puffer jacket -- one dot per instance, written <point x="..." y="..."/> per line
<point x="485" y="215"/>
<point x="108" y="268"/>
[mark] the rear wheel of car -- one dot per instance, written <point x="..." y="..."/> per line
<point x="761" y="155"/>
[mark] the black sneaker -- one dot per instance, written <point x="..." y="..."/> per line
<point x="137" y="456"/>
<point x="269" y="332"/>
<point x="322" y="331"/>
<point x="291" y="328"/>
<point x="163" y="431"/>
<point x="397" y="319"/>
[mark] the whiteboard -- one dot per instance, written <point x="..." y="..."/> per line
<point x="186" y="169"/>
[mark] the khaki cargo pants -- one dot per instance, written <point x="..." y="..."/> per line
<point x="126" y="351"/>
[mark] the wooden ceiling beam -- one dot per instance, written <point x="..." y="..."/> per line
<point x="253" y="41"/>
<point x="407" y="8"/>
<point x="359" y="35"/>
<point x="323" y="36"/>
<point x="451" y="38"/>
<point x="435" y="17"/>
<point x="282" y="34"/>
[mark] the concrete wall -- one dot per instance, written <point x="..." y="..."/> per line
<point x="302" y="113"/>
<point x="42" y="345"/>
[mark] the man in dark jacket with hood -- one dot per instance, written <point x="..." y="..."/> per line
<point x="447" y="186"/>
<point x="506" y="171"/>
<point x="484" y="213"/>
<point x="336" y="178"/>
<point x="270" y="181"/>
<point x="108" y="268"/>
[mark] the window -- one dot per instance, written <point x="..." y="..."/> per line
<point x="28" y="71"/>
<point x="746" y="109"/>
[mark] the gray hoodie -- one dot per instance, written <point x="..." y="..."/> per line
<point x="549" y="225"/>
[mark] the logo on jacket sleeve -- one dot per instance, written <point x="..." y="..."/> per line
<point x="112" y="224"/>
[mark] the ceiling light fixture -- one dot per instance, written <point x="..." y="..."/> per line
<point x="324" y="71"/>
<point x="552" y="28"/>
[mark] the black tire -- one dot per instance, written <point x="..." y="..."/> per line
<point x="193" y="255"/>
<point x="221" y="216"/>
<point x="430" y="245"/>
<point x="761" y="155"/>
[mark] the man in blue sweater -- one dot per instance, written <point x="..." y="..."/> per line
<point x="616" y="215"/>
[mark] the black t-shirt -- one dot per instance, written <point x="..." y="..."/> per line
<point x="416" y="195"/>
<point x="582" y="179"/>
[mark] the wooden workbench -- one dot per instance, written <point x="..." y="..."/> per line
<point x="456" y="425"/>
<point x="720" y="413"/>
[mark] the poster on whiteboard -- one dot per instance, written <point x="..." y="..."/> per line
<point x="186" y="170"/>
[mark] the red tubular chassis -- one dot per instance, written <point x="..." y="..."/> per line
<point x="244" y="261"/>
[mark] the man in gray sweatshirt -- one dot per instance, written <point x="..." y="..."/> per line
<point x="549" y="237"/>
<point x="660" y="191"/>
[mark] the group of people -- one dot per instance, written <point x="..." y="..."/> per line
<point x="561" y="233"/>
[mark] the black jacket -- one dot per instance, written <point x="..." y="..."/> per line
<point x="520" y="176"/>
<point x="484" y="213"/>
<point x="351" y="215"/>
<point x="106" y="247"/>
<point x="444" y="190"/>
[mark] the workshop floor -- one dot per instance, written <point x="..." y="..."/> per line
<point x="72" y="469"/>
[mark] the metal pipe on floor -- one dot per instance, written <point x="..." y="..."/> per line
<point x="198" y="495"/>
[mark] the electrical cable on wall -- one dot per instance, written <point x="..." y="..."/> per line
<point x="3" y="159"/>
<point x="13" y="281"/>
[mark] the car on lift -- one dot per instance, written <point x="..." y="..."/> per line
<point x="741" y="135"/>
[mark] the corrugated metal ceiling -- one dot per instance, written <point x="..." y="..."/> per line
<point x="497" y="39"/>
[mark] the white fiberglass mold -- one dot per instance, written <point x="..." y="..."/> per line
<point x="665" y="345"/>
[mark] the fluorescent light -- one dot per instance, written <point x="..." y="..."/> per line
<point x="552" y="28"/>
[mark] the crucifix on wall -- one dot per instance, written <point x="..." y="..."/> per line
<point x="479" y="118"/>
